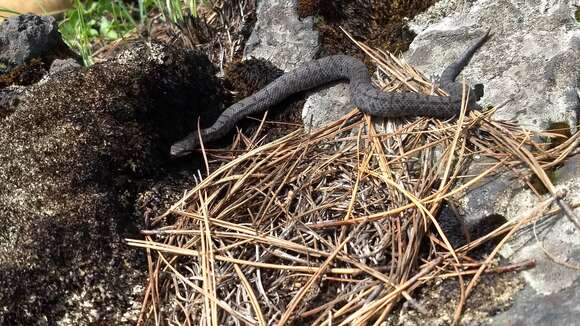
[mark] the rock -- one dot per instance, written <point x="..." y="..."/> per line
<point x="326" y="105"/>
<point x="441" y="9"/>
<point x="491" y="195"/>
<point x="27" y="36"/>
<point x="537" y="42"/>
<point x="532" y="61"/>
<point x="59" y="65"/>
<point x="280" y="37"/>
<point x="76" y="151"/>
<point x="531" y="308"/>
<point x="550" y="281"/>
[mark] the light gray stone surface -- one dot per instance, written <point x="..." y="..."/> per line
<point x="531" y="308"/>
<point x="551" y="284"/>
<point x="280" y="37"/>
<point x="531" y="57"/>
<point x="557" y="235"/>
<point x="532" y="60"/>
<point x="326" y="105"/>
<point x="60" y="65"/>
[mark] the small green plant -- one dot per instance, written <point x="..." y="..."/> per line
<point x="96" y="22"/>
<point x="75" y="32"/>
<point x="174" y="10"/>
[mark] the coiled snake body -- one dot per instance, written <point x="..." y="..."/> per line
<point x="363" y="95"/>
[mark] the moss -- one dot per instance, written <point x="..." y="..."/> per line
<point x="379" y="24"/>
<point x="76" y="152"/>
<point x="308" y="8"/>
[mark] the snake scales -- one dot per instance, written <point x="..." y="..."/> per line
<point x="363" y="95"/>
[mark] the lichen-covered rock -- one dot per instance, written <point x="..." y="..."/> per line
<point x="532" y="308"/>
<point x="59" y="65"/>
<point x="530" y="59"/>
<point x="326" y="105"/>
<point x="74" y="154"/>
<point x="294" y="43"/>
<point x="532" y="62"/>
<point x="287" y="41"/>
<point x="280" y="37"/>
<point x="29" y="36"/>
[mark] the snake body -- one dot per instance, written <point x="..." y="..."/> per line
<point x="363" y="95"/>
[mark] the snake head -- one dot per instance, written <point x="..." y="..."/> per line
<point x="184" y="147"/>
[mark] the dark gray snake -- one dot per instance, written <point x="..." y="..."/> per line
<point x="363" y="95"/>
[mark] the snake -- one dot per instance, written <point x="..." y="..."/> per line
<point x="364" y="95"/>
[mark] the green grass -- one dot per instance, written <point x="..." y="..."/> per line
<point x="93" y="23"/>
<point x="4" y="12"/>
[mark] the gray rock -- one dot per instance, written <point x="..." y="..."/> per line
<point x="532" y="308"/>
<point x="438" y="11"/>
<point x="326" y="105"/>
<point x="59" y="65"/>
<point x="531" y="61"/>
<point x="280" y="37"/>
<point x="491" y="195"/>
<point x="27" y="36"/>
<point x="540" y="81"/>
<point x="531" y="57"/>
<point x="557" y="235"/>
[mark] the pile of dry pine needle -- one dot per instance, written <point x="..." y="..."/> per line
<point x="338" y="226"/>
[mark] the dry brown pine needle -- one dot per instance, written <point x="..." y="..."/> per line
<point x="338" y="226"/>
